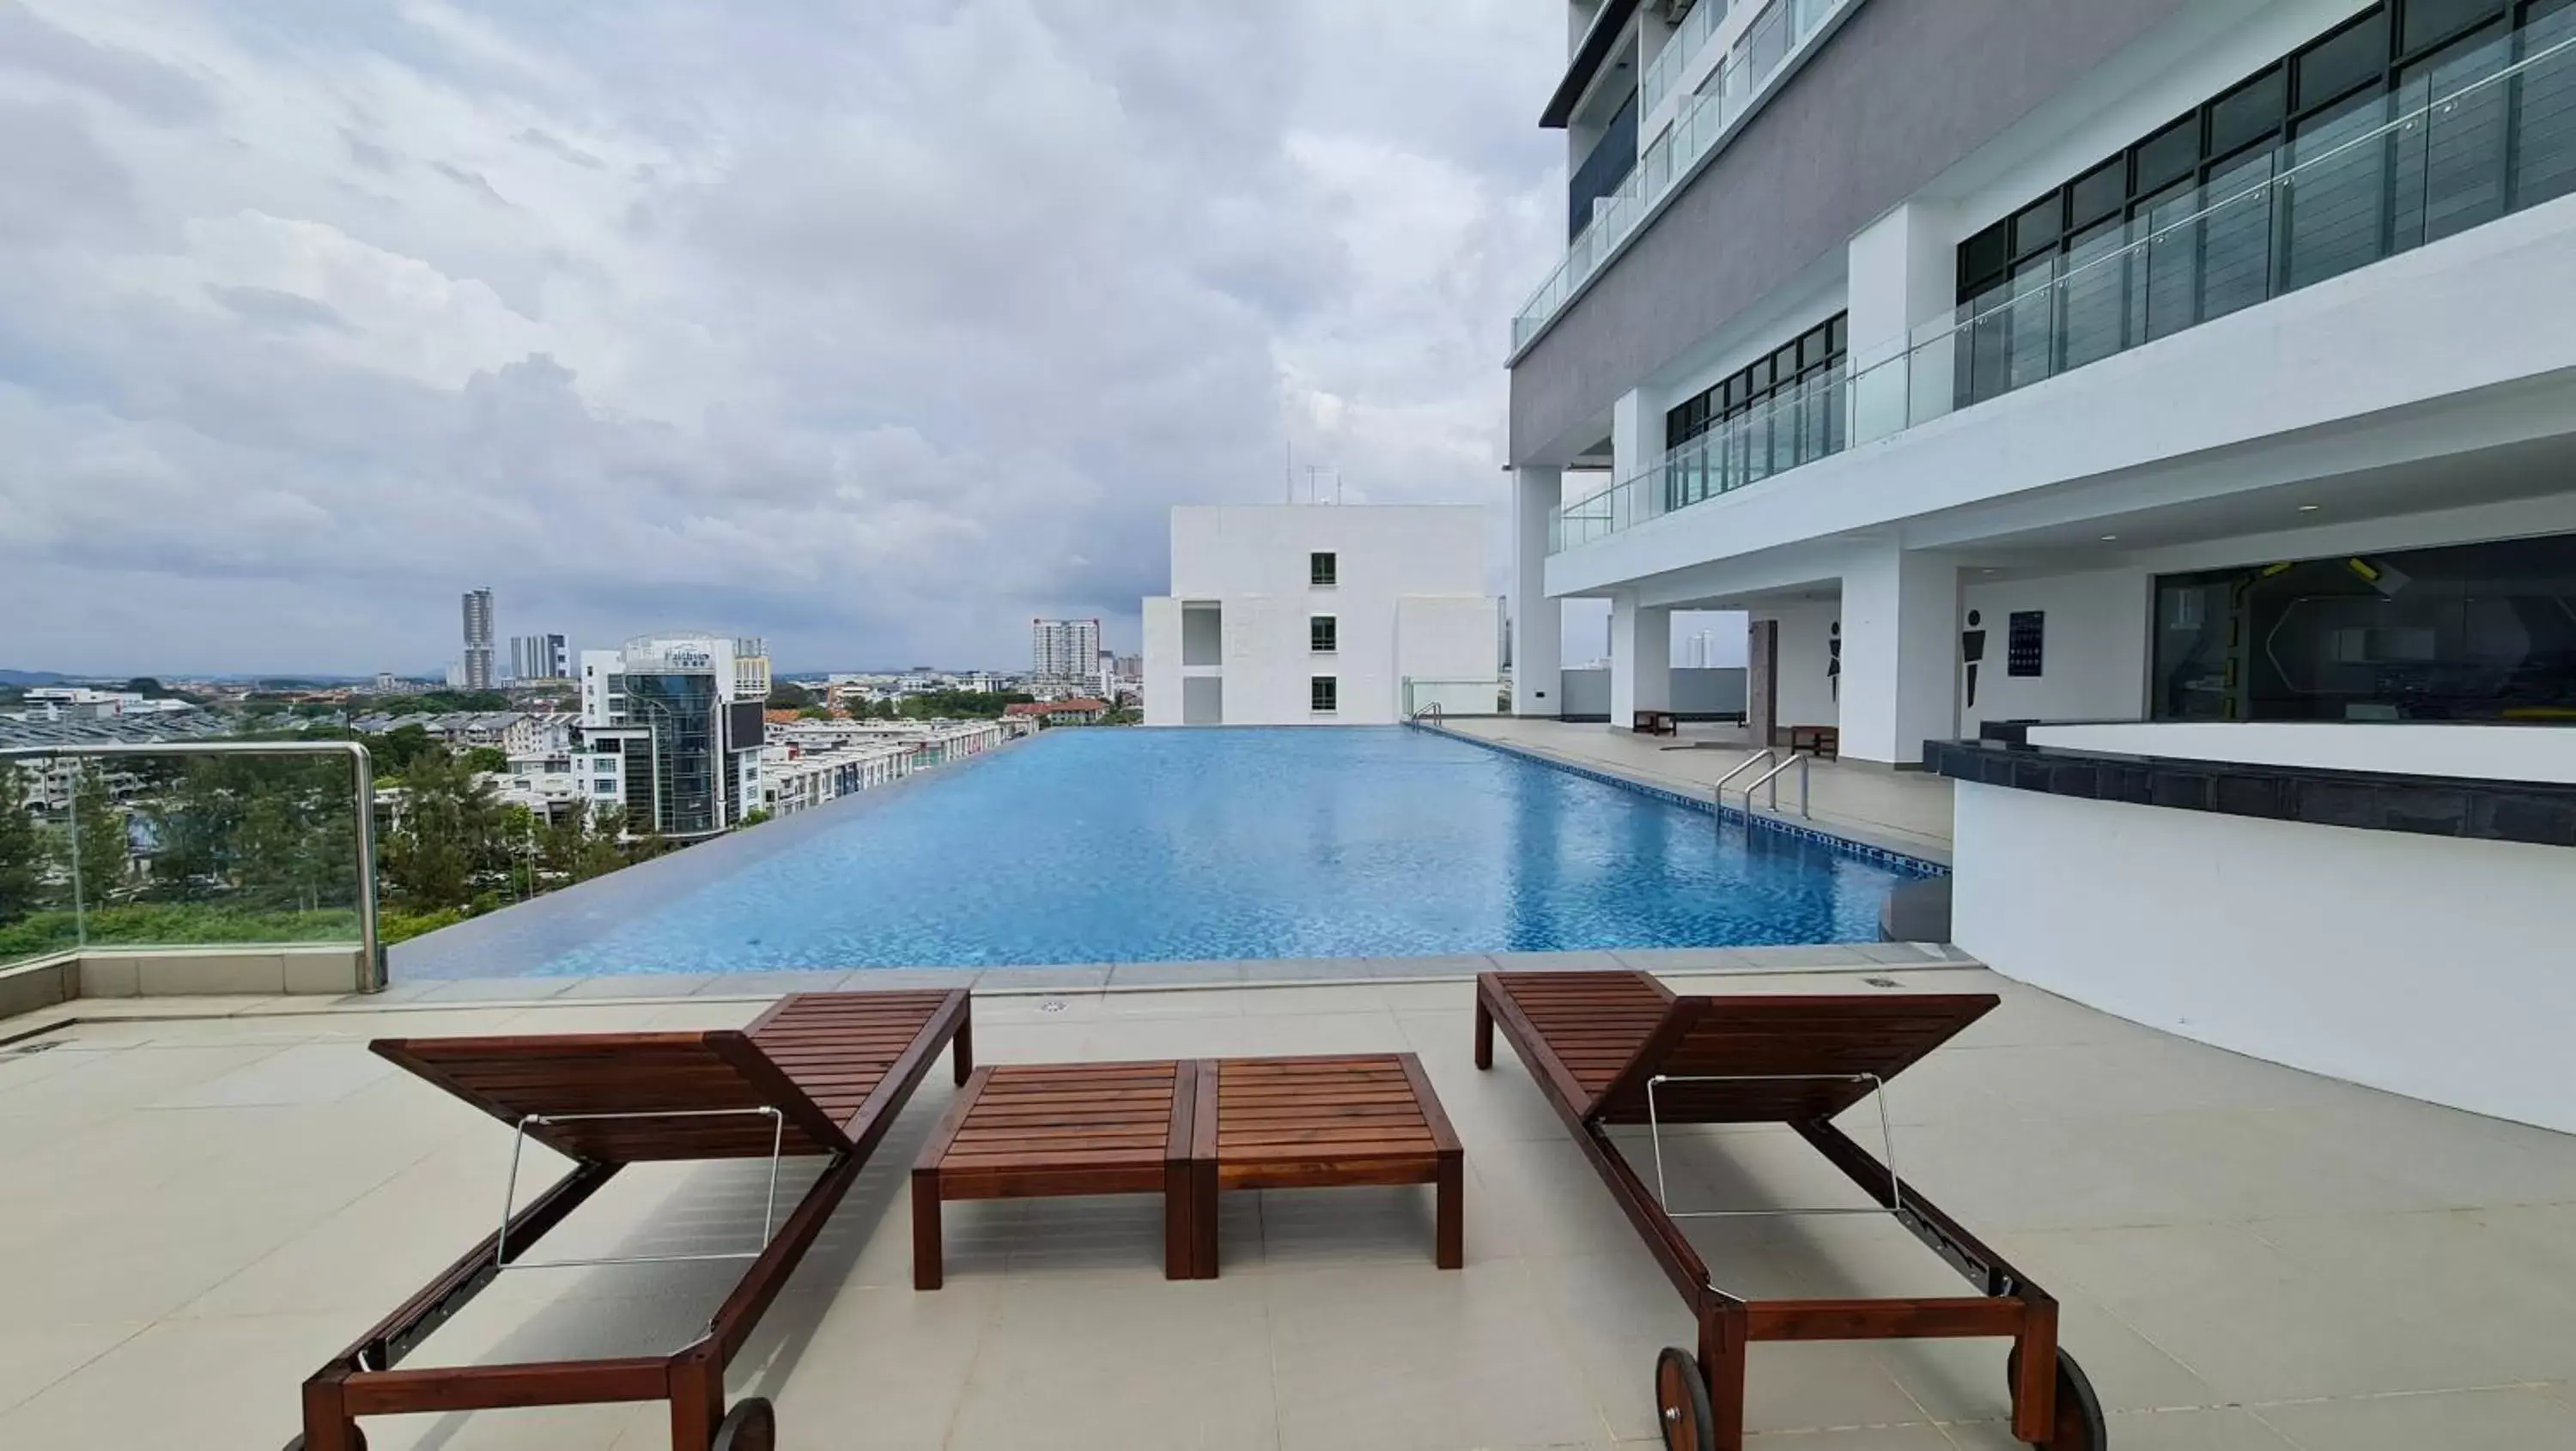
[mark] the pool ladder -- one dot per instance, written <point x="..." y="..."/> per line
<point x="1779" y="765"/>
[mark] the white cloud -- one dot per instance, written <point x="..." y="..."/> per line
<point x="872" y="329"/>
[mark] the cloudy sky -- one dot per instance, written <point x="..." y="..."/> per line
<point x="873" y="328"/>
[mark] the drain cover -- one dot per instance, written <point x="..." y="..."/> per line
<point x="1882" y="982"/>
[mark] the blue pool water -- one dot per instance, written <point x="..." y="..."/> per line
<point x="1152" y="845"/>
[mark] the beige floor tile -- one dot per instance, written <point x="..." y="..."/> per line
<point x="2508" y="1299"/>
<point x="34" y="1356"/>
<point x="1121" y="1361"/>
<point x="2259" y="1327"/>
<point x="2509" y="1419"/>
<point x="1369" y="1359"/>
<point x="881" y="1370"/>
<point x="184" y="1383"/>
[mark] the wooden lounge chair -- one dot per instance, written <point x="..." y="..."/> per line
<point x="1619" y="1048"/>
<point x="817" y="1074"/>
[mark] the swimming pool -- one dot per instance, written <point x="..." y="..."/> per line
<point x="1132" y="845"/>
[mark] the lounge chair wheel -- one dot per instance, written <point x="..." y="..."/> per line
<point x="2079" y="1411"/>
<point x="1681" y="1402"/>
<point x="750" y="1426"/>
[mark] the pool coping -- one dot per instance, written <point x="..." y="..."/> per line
<point x="1848" y="842"/>
<point x="1051" y="981"/>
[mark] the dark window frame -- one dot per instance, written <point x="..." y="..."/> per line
<point x="1808" y="355"/>
<point x="1323" y="569"/>
<point x="1323" y="634"/>
<point x="1324" y="694"/>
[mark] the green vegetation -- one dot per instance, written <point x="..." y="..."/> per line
<point x="439" y="702"/>
<point x="788" y="695"/>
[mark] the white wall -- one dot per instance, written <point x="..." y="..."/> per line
<point x="2093" y="656"/>
<point x="1447" y="638"/>
<point x="2480" y="752"/>
<point x="1806" y="692"/>
<point x="1162" y="660"/>
<point x="1425" y="564"/>
<point x="2428" y="966"/>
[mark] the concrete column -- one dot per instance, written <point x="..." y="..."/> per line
<point x="1641" y="659"/>
<point x="1538" y="622"/>
<point x="1636" y="432"/>
<point x="1904" y="273"/>
<point x="1901" y="653"/>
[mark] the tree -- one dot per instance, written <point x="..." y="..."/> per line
<point x="145" y="685"/>
<point x="396" y="749"/>
<point x="486" y="758"/>
<point x="582" y="844"/>
<point x="813" y="712"/>
<point x="21" y="854"/>
<point x="754" y="817"/>
<point x="448" y="840"/>
<point x="101" y="852"/>
<point x="788" y="695"/>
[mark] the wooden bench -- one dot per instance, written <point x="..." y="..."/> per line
<point x="1337" y="1122"/>
<point x="1046" y="1130"/>
<point x="1823" y="741"/>
<point x="1656" y="723"/>
<point x="1190" y="1130"/>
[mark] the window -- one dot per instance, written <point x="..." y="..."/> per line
<point x="2201" y="157"/>
<point x="1323" y="694"/>
<point x="1803" y="361"/>
<point x="2480" y="632"/>
<point x="1322" y="632"/>
<point x="1322" y="568"/>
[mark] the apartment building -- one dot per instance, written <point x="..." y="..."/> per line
<point x="2148" y="360"/>
<point x="1305" y="614"/>
<point x="1064" y="655"/>
<point x="474" y="671"/>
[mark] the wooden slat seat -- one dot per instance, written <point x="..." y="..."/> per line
<point x="1589" y="1025"/>
<point x="1325" y="1122"/>
<point x="1044" y="1130"/>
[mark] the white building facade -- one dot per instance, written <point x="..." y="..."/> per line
<point x="1317" y="614"/>
<point x="2210" y="361"/>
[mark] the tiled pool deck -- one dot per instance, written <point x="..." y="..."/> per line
<point x="1899" y="811"/>
<point x="205" y="1198"/>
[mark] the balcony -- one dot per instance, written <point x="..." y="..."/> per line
<point x="1781" y="33"/>
<point x="2487" y="137"/>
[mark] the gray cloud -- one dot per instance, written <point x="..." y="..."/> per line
<point x="270" y="307"/>
<point x="556" y="146"/>
<point x="152" y="90"/>
<point x="873" y="330"/>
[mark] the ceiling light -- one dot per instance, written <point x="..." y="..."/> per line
<point x="2307" y="508"/>
<point x="2108" y="538"/>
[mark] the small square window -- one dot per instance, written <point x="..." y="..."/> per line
<point x="1322" y="634"/>
<point x="1323" y="694"/>
<point x="1322" y="568"/>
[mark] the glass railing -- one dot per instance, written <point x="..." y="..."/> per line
<point x="1665" y="71"/>
<point x="1729" y="92"/>
<point x="1455" y="697"/>
<point x="2485" y="135"/>
<point x="197" y="845"/>
<point x="1797" y="426"/>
